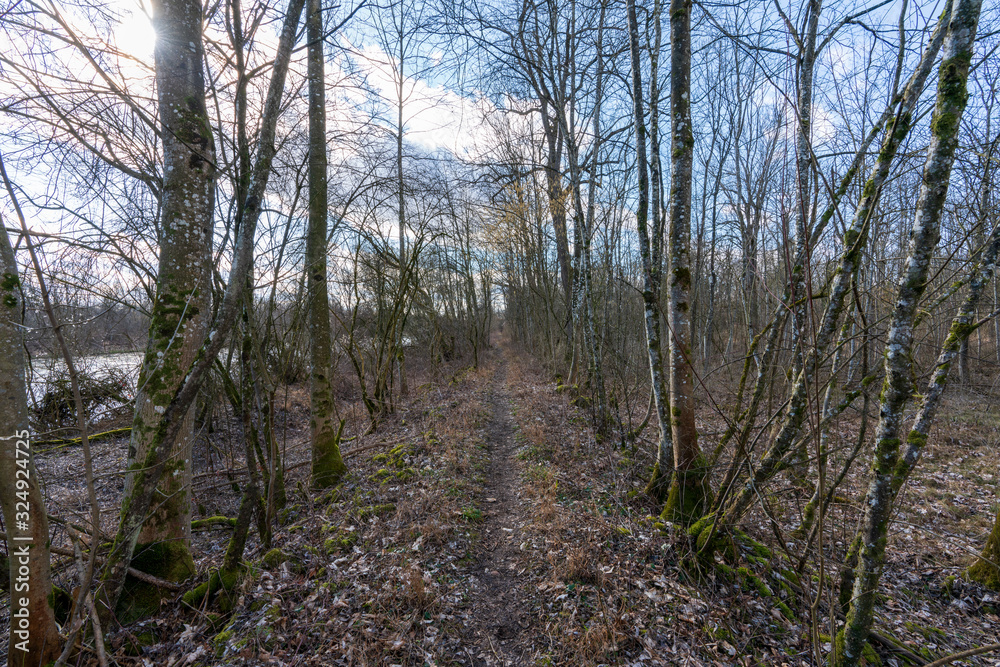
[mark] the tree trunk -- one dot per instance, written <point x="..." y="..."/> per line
<point x="986" y="569"/>
<point x="897" y="390"/>
<point x="801" y="288"/>
<point x="181" y="309"/>
<point x="689" y="491"/>
<point x="179" y="32"/>
<point x="596" y="365"/>
<point x="803" y="170"/>
<point x="34" y="637"/>
<point x="658" y="483"/>
<point x="855" y="240"/>
<point x="327" y="465"/>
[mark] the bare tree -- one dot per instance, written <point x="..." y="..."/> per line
<point x="327" y="465"/>
<point x="34" y="636"/>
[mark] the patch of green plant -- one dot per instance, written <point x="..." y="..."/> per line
<point x="339" y="540"/>
<point x="929" y="633"/>
<point x="369" y="511"/>
<point x="406" y="474"/>
<point x="472" y="514"/>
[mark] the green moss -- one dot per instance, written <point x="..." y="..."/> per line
<point x="401" y="450"/>
<point x="220" y="588"/>
<point x="944" y="124"/>
<point x="728" y="572"/>
<point x="984" y="569"/>
<point x="868" y="191"/>
<point x="754" y="582"/>
<point x="369" y="511"/>
<point x="138" y="640"/>
<point x="195" y="596"/>
<point x="690" y="494"/>
<point x="929" y="633"/>
<point x="329" y="468"/>
<point x="61" y="602"/>
<point x="406" y="474"/>
<point x="870" y="657"/>
<point x="220" y="641"/>
<point x="757" y="550"/>
<point x="791" y="576"/>
<point x="289" y="514"/>
<point x="9" y="284"/>
<point x="166" y="560"/>
<point x="274" y="558"/>
<point x="341" y="541"/>
<point x="213" y="521"/>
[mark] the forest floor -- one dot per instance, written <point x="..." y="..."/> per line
<point x="483" y="525"/>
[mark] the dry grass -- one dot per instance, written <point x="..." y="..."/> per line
<point x="383" y="568"/>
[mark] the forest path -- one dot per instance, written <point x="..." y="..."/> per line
<point x="500" y="608"/>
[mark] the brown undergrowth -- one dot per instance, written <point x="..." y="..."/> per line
<point x="483" y="525"/>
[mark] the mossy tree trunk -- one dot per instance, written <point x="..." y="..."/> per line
<point x="986" y="569"/>
<point x="650" y="253"/>
<point x="889" y="470"/>
<point x="327" y="464"/>
<point x="181" y="308"/>
<point x="188" y="201"/>
<point x="689" y="490"/>
<point x="34" y="637"/>
<point x="855" y="240"/>
<point x="744" y="419"/>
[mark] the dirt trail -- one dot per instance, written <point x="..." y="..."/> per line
<point x="499" y="615"/>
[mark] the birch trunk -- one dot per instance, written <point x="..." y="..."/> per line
<point x="327" y="464"/>
<point x="951" y="99"/>
<point x="34" y="637"/>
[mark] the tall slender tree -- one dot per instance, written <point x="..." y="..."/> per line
<point x="689" y="489"/>
<point x="184" y="23"/>
<point x="648" y="251"/>
<point x="956" y="57"/>
<point x="327" y="464"/>
<point x="181" y="309"/>
<point x="34" y="637"/>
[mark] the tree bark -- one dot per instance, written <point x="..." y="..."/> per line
<point x="659" y="482"/>
<point x="689" y="490"/>
<point x="855" y="240"/>
<point x="182" y="307"/>
<point x="169" y="427"/>
<point x="327" y="464"/>
<point x="986" y="569"/>
<point x="897" y="390"/>
<point x="34" y="637"/>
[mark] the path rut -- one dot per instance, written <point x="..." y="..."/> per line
<point x="499" y="615"/>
